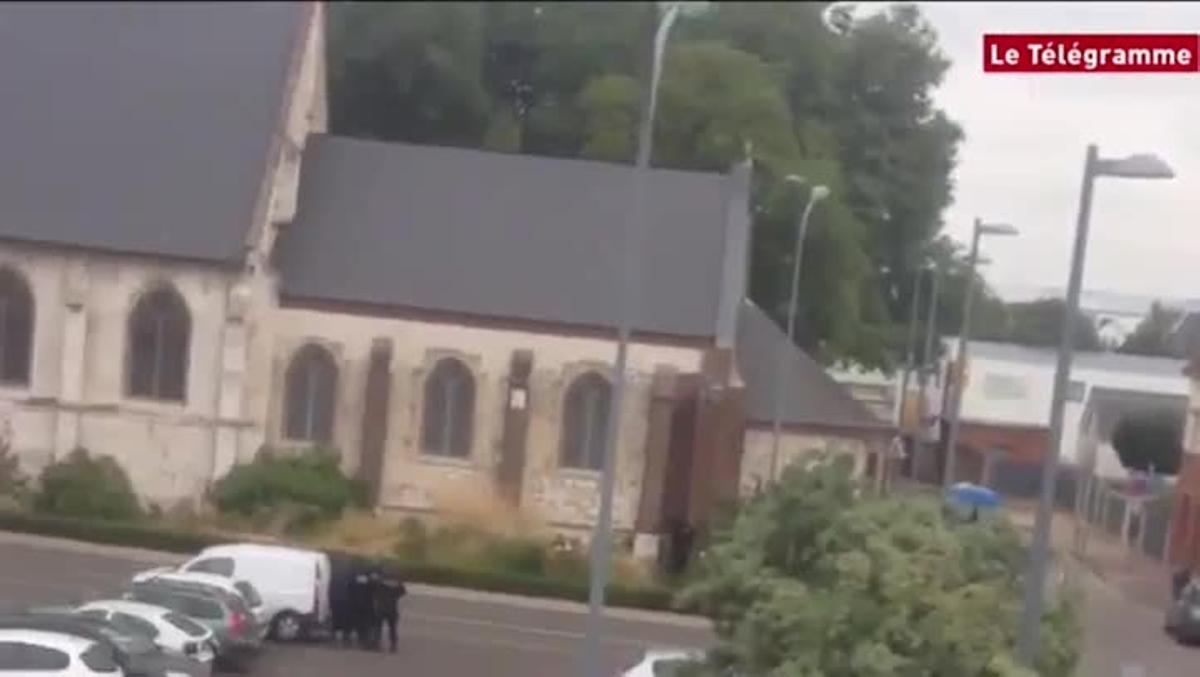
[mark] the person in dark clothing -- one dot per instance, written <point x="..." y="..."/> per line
<point x="389" y="590"/>
<point x="1179" y="582"/>
<point x="360" y="607"/>
<point x="341" y="570"/>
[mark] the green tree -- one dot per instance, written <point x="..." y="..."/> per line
<point x="847" y="103"/>
<point x="1148" y="440"/>
<point x="1154" y="334"/>
<point x="1039" y="324"/>
<point x="817" y="578"/>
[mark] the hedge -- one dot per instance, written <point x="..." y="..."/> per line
<point x="152" y="537"/>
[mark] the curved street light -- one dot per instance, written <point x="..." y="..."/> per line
<point x="1140" y="166"/>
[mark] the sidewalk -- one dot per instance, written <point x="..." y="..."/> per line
<point x="1138" y="578"/>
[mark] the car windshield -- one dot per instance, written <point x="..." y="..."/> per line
<point x="671" y="667"/>
<point x="187" y="625"/>
<point x="249" y="593"/>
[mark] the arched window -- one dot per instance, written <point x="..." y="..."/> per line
<point x="449" y="410"/>
<point x="311" y="393"/>
<point x="160" y="331"/>
<point x="16" y="328"/>
<point x="585" y="417"/>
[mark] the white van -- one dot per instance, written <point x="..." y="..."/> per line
<point x="293" y="583"/>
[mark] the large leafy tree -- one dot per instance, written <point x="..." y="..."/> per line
<point x="1154" y="335"/>
<point x="1150" y="440"/>
<point x="815" y="577"/>
<point x="802" y="89"/>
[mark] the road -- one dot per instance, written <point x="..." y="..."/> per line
<point x="453" y="633"/>
<point x="1123" y="635"/>
<point x="443" y="632"/>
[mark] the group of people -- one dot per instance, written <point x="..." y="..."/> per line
<point x="364" y="604"/>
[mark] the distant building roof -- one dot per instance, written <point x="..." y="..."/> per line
<point x="1107" y="406"/>
<point x="1164" y="366"/>
<point x="810" y="396"/>
<point x="140" y="127"/>
<point x="500" y="235"/>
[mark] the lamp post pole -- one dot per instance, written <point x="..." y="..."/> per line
<point x="601" y="548"/>
<point x="1132" y="167"/>
<point x="960" y="362"/>
<point x="782" y="374"/>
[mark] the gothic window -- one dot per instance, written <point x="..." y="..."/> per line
<point x="160" y="331"/>
<point x="585" y="417"/>
<point x="311" y="392"/>
<point x="449" y="408"/>
<point x="16" y="328"/>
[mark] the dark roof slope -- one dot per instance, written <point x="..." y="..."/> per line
<point x="810" y="395"/>
<point x="498" y="235"/>
<point x="139" y="127"/>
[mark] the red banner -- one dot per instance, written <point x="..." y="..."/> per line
<point x="1091" y="53"/>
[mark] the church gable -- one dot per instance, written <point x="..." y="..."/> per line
<point x="142" y="128"/>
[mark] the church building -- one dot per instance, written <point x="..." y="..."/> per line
<point x="192" y="269"/>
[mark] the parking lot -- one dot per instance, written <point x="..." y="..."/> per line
<point x="442" y="632"/>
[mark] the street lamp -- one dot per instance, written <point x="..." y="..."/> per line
<point x="981" y="229"/>
<point x="1142" y="166"/>
<point x="601" y="547"/>
<point x="782" y="374"/>
<point x="923" y="374"/>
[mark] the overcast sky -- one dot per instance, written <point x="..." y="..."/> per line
<point x="1022" y="158"/>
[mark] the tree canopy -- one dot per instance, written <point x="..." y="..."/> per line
<point x="1154" y="335"/>
<point x="817" y="578"/>
<point x="1153" y="439"/>
<point x="840" y="98"/>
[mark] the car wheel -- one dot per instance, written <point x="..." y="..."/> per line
<point x="286" y="627"/>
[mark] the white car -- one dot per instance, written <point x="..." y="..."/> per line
<point x="225" y="584"/>
<point x="37" y="652"/>
<point x="663" y="662"/>
<point x="171" y="631"/>
<point x="293" y="583"/>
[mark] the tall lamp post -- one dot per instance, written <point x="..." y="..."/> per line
<point x="1142" y="166"/>
<point x="782" y="374"/>
<point x="964" y="335"/>
<point x="601" y="547"/>
<point x="923" y="372"/>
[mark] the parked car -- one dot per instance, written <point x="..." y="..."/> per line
<point x="293" y="583"/>
<point x="238" y="638"/>
<point x="217" y="584"/>
<point x="135" y="654"/>
<point x="170" y="630"/>
<point x="53" y="654"/>
<point x="663" y="663"/>
<point x="1183" y="616"/>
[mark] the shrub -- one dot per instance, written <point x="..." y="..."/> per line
<point x="14" y="485"/>
<point x="84" y="486"/>
<point x="304" y="488"/>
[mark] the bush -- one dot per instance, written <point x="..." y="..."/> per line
<point x="304" y="488"/>
<point x="14" y="485"/>
<point x="83" y="486"/>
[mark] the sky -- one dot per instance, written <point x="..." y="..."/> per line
<point x="1021" y="161"/>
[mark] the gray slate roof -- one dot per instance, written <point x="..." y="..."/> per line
<point x="499" y="235"/>
<point x="811" y="396"/>
<point x="1106" y="406"/>
<point x="141" y="127"/>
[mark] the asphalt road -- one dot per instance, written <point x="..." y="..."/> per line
<point x="447" y="633"/>
<point x="443" y="633"/>
<point x="1125" y="639"/>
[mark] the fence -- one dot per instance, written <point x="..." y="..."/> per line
<point x="1107" y="513"/>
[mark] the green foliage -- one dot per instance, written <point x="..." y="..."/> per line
<point x="14" y="485"/>
<point x="1151" y="439"/>
<point x="1154" y="336"/>
<point x="129" y="534"/>
<point x="308" y="487"/>
<point x="815" y="578"/>
<point x="85" y="486"/>
<point x="849" y="106"/>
